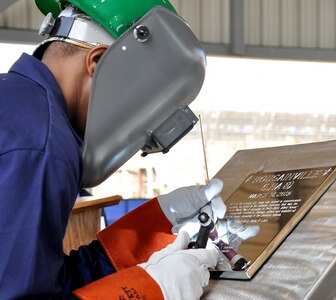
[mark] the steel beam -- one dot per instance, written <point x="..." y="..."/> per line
<point x="4" y="4"/>
<point x="19" y="36"/>
<point x="237" y="41"/>
<point x="283" y="53"/>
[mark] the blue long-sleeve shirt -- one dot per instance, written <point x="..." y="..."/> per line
<point x="40" y="178"/>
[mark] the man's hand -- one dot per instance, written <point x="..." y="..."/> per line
<point x="181" y="274"/>
<point x="182" y="206"/>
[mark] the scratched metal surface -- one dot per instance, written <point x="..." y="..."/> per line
<point x="304" y="266"/>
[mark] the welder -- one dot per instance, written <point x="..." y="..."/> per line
<point x="111" y="77"/>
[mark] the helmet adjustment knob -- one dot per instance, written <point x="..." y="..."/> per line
<point x="141" y="33"/>
<point x="47" y="24"/>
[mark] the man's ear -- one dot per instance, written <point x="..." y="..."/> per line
<point x="93" y="57"/>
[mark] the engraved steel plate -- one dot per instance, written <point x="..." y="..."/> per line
<point x="261" y="213"/>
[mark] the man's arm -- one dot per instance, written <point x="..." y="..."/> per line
<point x="85" y="265"/>
<point x="173" y="273"/>
<point x="37" y="194"/>
<point x="134" y="237"/>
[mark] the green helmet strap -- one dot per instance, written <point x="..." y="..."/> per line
<point x="116" y="16"/>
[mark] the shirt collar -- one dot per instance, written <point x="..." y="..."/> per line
<point x="32" y="68"/>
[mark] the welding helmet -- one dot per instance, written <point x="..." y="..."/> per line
<point x="142" y="86"/>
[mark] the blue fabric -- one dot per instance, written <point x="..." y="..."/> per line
<point x="85" y="265"/>
<point x="40" y="178"/>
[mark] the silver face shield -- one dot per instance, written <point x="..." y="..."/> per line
<point x="141" y="90"/>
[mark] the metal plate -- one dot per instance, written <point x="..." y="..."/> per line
<point x="304" y="265"/>
<point x="270" y="205"/>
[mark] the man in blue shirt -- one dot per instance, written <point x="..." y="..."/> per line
<point x="43" y="110"/>
<point x="41" y="166"/>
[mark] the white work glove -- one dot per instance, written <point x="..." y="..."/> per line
<point x="182" y="206"/>
<point x="181" y="274"/>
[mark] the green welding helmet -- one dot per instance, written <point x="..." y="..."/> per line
<point x="116" y="16"/>
<point x="152" y="70"/>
